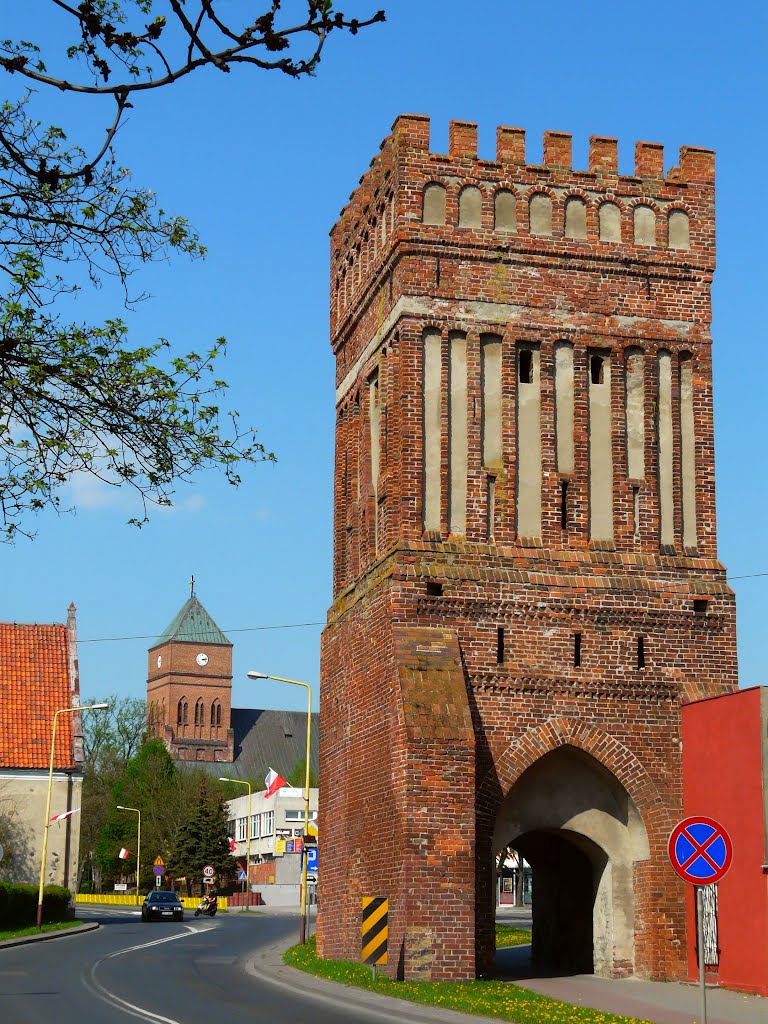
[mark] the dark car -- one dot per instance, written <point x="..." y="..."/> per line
<point x="160" y="904"/>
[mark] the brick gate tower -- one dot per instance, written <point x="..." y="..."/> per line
<point x="526" y="584"/>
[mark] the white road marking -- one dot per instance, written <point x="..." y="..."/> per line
<point x="104" y="993"/>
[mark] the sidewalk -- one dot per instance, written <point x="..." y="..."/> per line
<point x="662" y="1002"/>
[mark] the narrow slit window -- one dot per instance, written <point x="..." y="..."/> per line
<point x="597" y="369"/>
<point x="500" y="645"/>
<point x="434" y="589"/>
<point x="563" y="504"/>
<point x="526" y="366"/>
<point x="577" y="650"/>
<point x="641" y="652"/>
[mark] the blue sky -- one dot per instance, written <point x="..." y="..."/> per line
<point x="261" y="165"/>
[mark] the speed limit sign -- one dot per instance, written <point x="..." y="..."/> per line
<point x="208" y="871"/>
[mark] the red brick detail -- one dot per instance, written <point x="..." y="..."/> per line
<point x="408" y="799"/>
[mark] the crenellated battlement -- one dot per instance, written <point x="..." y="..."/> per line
<point x="411" y="193"/>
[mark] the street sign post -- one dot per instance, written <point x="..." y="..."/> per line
<point x="701" y="852"/>
<point x="241" y="876"/>
<point x="208" y="871"/>
<point x="158" y="870"/>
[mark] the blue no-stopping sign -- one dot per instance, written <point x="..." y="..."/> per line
<point x="700" y="850"/>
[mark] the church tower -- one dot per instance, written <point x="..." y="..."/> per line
<point x="526" y="584"/>
<point x="189" y="687"/>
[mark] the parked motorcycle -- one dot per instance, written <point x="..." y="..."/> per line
<point x="208" y="905"/>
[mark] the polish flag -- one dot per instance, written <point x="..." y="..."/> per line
<point x="64" y="814"/>
<point x="123" y="855"/>
<point x="273" y="782"/>
<point x="232" y="844"/>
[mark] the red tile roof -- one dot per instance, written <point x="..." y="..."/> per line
<point x="34" y="683"/>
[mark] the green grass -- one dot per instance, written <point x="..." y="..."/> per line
<point x="506" y="935"/>
<point x="499" y="999"/>
<point x="19" y="933"/>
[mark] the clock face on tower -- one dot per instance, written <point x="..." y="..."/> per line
<point x="202" y="658"/>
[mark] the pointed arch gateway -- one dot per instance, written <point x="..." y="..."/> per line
<point x="579" y="807"/>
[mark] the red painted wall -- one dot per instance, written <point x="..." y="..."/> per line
<point x="723" y="778"/>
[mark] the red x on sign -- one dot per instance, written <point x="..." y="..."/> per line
<point x="700" y="850"/>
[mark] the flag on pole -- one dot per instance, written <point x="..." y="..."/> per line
<point x="64" y="814"/>
<point x="232" y="844"/>
<point x="273" y="782"/>
<point x="123" y="855"/>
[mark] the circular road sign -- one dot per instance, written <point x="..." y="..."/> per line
<point x="700" y="850"/>
<point x="208" y="871"/>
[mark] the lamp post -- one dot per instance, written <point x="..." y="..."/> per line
<point x="303" y="890"/>
<point x="47" y="823"/>
<point x="242" y="782"/>
<point x="138" y="846"/>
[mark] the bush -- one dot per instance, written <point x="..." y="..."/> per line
<point x="18" y="904"/>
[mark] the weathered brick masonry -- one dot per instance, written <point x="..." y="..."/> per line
<point x="526" y="562"/>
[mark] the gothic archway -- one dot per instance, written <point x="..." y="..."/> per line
<point x="580" y="830"/>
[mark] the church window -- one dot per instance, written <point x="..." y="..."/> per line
<point x="500" y="645"/>
<point x="577" y="650"/>
<point x="218" y="714"/>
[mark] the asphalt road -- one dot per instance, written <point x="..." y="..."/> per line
<point x="201" y="971"/>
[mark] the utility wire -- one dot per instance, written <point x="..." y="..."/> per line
<point x="288" y="625"/>
<point x="195" y="636"/>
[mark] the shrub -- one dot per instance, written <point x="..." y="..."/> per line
<point x="18" y="904"/>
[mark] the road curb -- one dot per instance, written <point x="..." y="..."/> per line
<point x="23" y="940"/>
<point x="268" y="965"/>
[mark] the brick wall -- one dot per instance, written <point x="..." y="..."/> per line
<point x="404" y="597"/>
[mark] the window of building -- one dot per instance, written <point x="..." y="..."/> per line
<point x="294" y="815"/>
<point x="241" y="829"/>
<point x="268" y="823"/>
<point x="255" y="826"/>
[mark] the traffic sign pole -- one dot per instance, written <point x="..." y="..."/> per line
<point x="701" y="852"/>
<point x="700" y="940"/>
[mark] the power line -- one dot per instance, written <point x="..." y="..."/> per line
<point x="196" y="636"/>
<point x="287" y="625"/>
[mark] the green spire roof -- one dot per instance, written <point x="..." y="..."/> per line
<point x="193" y="624"/>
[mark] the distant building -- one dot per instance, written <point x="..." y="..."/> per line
<point x="38" y="677"/>
<point x="189" y="705"/>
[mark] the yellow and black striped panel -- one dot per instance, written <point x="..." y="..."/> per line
<point x="375" y="929"/>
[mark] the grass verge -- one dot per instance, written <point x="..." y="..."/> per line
<point x="498" y="999"/>
<point x="506" y="936"/>
<point x="20" y="933"/>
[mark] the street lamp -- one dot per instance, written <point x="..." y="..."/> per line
<point x="242" y="782"/>
<point x="138" y="846"/>
<point x="303" y="890"/>
<point x="47" y="824"/>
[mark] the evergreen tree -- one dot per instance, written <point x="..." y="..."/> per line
<point x="202" y="838"/>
